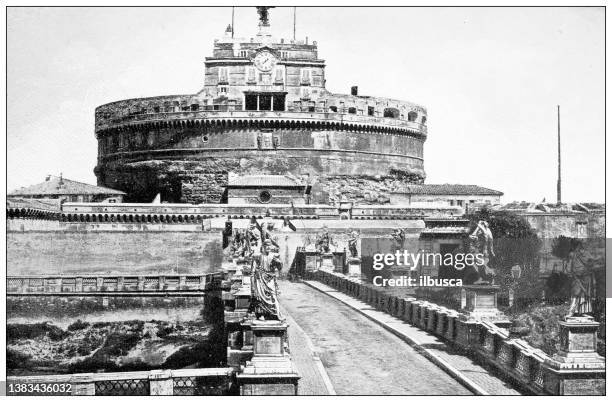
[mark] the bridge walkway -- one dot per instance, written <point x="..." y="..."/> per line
<point x="480" y="380"/>
<point x="359" y="356"/>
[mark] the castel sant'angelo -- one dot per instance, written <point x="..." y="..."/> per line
<point x="263" y="109"/>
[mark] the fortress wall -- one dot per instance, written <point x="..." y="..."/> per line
<point x="120" y="252"/>
<point x="201" y="137"/>
<point x="21" y="225"/>
<point x="332" y="158"/>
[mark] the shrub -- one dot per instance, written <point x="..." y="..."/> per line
<point x="32" y="331"/>
<point x="78" y="325"/>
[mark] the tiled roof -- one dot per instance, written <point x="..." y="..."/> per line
<point x="542" y="207"/>
<point x="61" y="186"/>
<point x="446" y="229"/>
<point x="29" y="203"/>
<point x="263" y="181"/>
<point x="447" y="189"/>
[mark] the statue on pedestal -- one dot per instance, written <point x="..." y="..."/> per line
<point x="399" y="237"/>
<point x="580" y="304"/>
<point x="324" y="242"/>
<point x="352" y="244"/>
<point x="264" y="15"/>
<point x="265" y="266"/>
<point x="481" y="242"/>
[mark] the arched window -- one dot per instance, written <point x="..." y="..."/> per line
<point x="352" y="110"/>
<point x="391" y="112"/>
<point x="423" y="120"/>
<point x="412" y="116"/>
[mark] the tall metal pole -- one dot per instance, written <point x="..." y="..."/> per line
<point x="232" y="22"/>
<point x="294" y="10"/>
<point x="558" y="155"/>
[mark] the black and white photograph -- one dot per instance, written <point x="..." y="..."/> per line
<point x="304" y="200"/>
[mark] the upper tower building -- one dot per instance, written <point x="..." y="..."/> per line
<point x="263" y="109"/>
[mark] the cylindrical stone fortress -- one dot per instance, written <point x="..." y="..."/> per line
<point x="264" y="109"/>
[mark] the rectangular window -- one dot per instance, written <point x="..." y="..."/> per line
<point x="250" y="102"/>
<point x="265" y="102"/>
<point x="279" y="103"/>
<point x="305" y="76"/>
<point x="223" y="75"/>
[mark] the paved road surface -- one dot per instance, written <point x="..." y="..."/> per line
<point x="360" y="356"/>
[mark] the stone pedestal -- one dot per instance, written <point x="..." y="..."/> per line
<point x="577" y="369"/>
<point x="327" y="262"/>
<point x="311" y="262"/>
<point x="354" y="267"/>
<point x="270" y="371"/>
<point x="160" y="382"/>
<point x="83" y="384"/>
<point x="481" y="304"/>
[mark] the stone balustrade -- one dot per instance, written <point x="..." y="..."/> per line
<point x="113" y="285"/>
<point x="284" y="117"/>
<point x="528" y="367"/>
<point x="202" y="381"/>
<point x="129" y="213"/>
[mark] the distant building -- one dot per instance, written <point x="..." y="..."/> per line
<point x="262" y="108"/>
<point x="266" y="189"/>
<point x="459" y="195"/>
<point x="60" y="188"/>
<point x="22" y="208"/>
<point x="585" y="221"/>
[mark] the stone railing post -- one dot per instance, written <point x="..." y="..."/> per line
<point x="24" y="285"/>
<point x="78" y="284"/>
<point x="577" y="369"/>
<point x="160" y="382"/>
<point x="83" y="384"/>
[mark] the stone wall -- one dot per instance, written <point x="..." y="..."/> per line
<point x="190" y="164"/>
<point x="125" y="252"/>
<point x="589" y="227"/>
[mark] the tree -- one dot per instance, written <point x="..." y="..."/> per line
<point x="564" y="247"/>
<point x="515" y="243"/>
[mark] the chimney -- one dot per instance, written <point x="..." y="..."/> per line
<point x="354" y="90"/>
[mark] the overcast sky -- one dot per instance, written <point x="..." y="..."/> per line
<point x="490" y="79"/>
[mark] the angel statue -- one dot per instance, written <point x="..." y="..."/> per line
<point x="265" y="267"/>
<point x="352" y="244"/>
<point x="481" y="242"/>
<point x="264" y="15"/>
<point x="580" y="297"/>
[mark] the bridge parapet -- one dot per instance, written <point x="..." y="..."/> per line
<point x="578" y="371"/>
<point x="203" y="381"/>
<point x="112" y="285"/>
